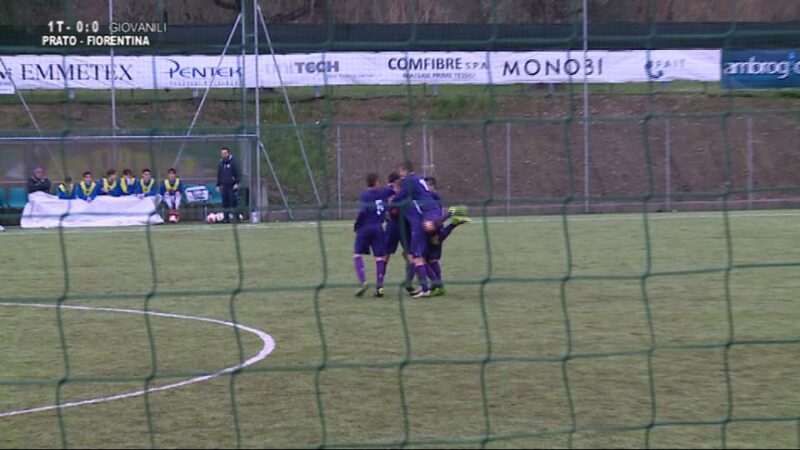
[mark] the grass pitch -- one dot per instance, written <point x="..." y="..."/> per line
<point x="668" y="334"/>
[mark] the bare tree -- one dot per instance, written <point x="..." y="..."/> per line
<point x="38" y="12"/>
<point x="134" y="11"/>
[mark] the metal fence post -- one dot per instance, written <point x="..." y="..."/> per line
<point x="586" y="149"/>
<point x="257" y="96"/>
<point x="431" y="164"/>
<point x="508" y="168"/>
<point x="339" y="168"/>
<point x="668" y="162"/>
<point x="115" y="152"/>
<point x="113" y="76"/>
<point x="750" y="163"/>
<point x="425" y="150"/>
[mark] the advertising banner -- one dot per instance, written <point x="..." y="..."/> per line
<point x="753" y="69"/>
<point x="361" y="68"/>
<point x="6" y="86"/>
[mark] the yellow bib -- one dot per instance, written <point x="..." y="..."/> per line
<point x="147" y="188"/>
<point x="108" y="187"/>
<point x="63" y="188"/>
<point x="123" y="184"/>
<point x="90" y="190"/>
<point x="172" y="188"/>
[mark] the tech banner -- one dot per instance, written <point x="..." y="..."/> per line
<point x="358" y="68"/>
<point x="752" y="69"/>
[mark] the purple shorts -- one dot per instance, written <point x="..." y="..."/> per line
<point x="370" y="237"/>
<point x="420" y="240"/>
<point x="434" y="247"/>
<point x="397" y="234"/>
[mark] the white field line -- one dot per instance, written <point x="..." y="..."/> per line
<point x="201" y="228"/>
<point x="267" y="348"/>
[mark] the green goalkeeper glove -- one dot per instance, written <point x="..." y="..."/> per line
<point x="458" y="210"/>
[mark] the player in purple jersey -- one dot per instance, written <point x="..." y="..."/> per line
<point x="438" y="235"/>
<point x="369" y="233"/>
<point x="418" y="207"/>
<point x="398" y="233"/>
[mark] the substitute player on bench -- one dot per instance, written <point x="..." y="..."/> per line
<point x="109" y="185"/>
<point x="66" y="190"/>
<point x="171" y="191"/>
<point x="127" y="184"/>
<point x="146" y="186"/>
<point x="87" y="189"/>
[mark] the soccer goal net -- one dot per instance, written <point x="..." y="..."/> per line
<point x="623" y="271"/>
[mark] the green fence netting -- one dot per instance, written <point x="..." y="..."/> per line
<point x="671" y="320"/>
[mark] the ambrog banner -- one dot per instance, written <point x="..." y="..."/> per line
<point x="748" y="69"/>
<point x="359" y="68"/>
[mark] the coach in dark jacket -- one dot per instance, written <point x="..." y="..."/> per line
<point x="228" y="183"/>
<point x="38" y="182"/>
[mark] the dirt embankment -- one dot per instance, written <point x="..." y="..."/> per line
<point x="637" y="145"/>
<point x="529" y="145"/>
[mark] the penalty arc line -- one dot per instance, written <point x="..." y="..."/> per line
<point x="267" y="348"/>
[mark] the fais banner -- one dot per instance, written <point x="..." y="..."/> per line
<point x="752" y="69"/>
<point x="358" y="68"/>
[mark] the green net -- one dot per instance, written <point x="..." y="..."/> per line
<point x="667" y="316"/>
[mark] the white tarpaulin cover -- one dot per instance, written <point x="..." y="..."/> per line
<point x="48" y="211"/>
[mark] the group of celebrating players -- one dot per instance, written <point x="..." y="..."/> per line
<point x="414" y="218"/>
<point x="169" y="190"/>
<point x="406" y="213"/>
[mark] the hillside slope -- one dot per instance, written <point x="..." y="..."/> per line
<point x="468" y="138"/>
